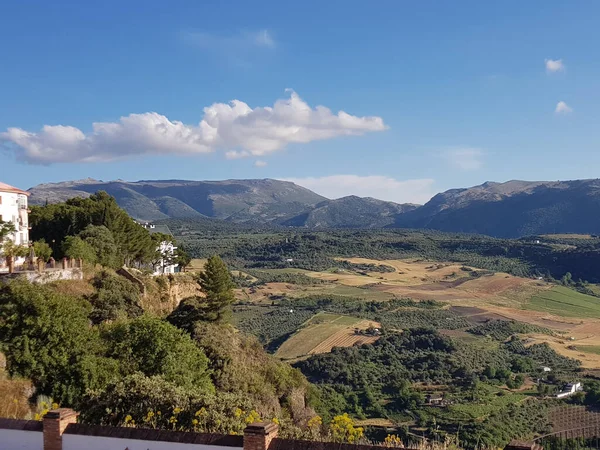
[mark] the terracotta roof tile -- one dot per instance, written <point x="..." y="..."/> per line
<point x="8" y="188"/>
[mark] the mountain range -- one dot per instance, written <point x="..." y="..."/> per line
<point x="510" y="209"/>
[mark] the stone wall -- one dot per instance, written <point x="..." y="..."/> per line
<point x="47" y="276"/>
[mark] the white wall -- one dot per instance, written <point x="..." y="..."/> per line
<point x="22" y="440"/>
<point x="78" y="442"/>
<point x="11" y="212"/>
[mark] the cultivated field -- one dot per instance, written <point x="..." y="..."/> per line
<point x="575" y="317"/>
<point x="565" y="302"/>
<point x="347" y="338"/>
<point x="322" y="333"/>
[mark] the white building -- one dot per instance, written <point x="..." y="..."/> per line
<point x="569" y="390"/>
<point x="14" y="209"/>
<point x="166" y="250"/>
<point x="165" y="264"/>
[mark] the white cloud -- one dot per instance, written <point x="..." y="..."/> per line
<point x="465" y="158"/>
<point x="235" y="128"/>
<point x="554" y="65"/>
<point x="260" y="163"/>
<point x="376" y="186"/>
<point x="563" y="108"/>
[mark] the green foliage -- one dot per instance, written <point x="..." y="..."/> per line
<point x="12" y="250"/>
<point x="154" y="347"/>
<point x="114" y="297"/>
<point x="6" y="228"/>
<point x="501" y="330"/>
<point x="154" y="402"/>
<point x="270" y="324"/>
<point x="48" y="339"/>
<point x="42" y="250"/>
<point x="515" y="421"/>
<point x="54" y="222"/>
<point x="77" y="248"/>
<point x="544" y="355"/>
<point x="182" y="258"/>
<point x="103" y="242"/>
<point x="241" y="366"/>
<point x="217" y="286"/>
<point x="273" y="324"/>
<point x="215" y="282"/>
<point x="264" y="277"/>
<point x="247" y="247"/>
<point x="369" y="374"/>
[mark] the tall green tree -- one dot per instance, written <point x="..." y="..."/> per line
<point x="217" y="285"/>
<point x="215" y="281"/>
<point x="42" y="250"/>
<point x="182" y="258"/>
<point x="103" y="242"/>
<point x="77" y="248"/>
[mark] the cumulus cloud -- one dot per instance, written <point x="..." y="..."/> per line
<point x="235" y="128"/>
<point x="554" y="65"/>
<point x="260" y="163"/>
<point x="563" y="108"/>
<point x="376" y="186"/>
<point x="465" y="158"/>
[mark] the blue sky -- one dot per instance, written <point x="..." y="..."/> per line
<point x="436" y="95"/>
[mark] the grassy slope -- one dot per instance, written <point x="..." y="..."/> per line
<point x="566" y="302"/>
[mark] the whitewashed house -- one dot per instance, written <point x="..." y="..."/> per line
<point x="165" y="265"/>
<point x="569" y="390"/>
<point x="14" y="209"/>
<point x="166" y="250"/>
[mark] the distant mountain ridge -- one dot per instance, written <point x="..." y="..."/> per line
<point x="150" y="200"/>
<point x="511" y="209"/>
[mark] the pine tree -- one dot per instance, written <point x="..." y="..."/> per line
<point x="217" y="285"/>
<point x="215" y="281"/>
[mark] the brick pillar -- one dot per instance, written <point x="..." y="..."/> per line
<point x="41" y="265"/>
<point x="52" y="263"/>
<point x="55" y="423"/>
<point x="258" y="436"/>
<point x="65" y="263"/>
<point x="11" y="264"/>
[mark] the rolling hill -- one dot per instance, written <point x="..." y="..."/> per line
<point x="350" y="212"/>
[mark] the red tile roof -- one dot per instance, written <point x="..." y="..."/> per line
<point x="8" y="188"/>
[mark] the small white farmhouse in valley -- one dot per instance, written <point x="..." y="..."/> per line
<point x="14" y="209"/>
